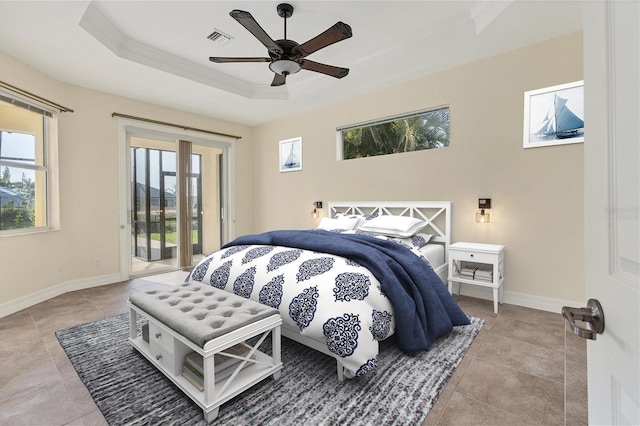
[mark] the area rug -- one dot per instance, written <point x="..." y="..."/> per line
<point x="130" y="391"/>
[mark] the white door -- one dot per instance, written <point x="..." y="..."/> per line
<point x="612" y="188"/>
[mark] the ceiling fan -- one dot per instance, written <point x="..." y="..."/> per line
<point x="286" y="56"/>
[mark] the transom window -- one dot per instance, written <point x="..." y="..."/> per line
<point x="24" y="165"/>
<point x="411" y="132"/>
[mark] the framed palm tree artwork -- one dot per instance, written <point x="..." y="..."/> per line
<point x="554" y="115"/>
<point x="290" y="158"/>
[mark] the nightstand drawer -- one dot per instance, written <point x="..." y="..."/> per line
<point x="472" y="256"/>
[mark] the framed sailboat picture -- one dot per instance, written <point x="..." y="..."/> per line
<point x="290" y="155"/>
<point x="554" y="115"/>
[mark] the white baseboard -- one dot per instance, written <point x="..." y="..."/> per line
<point x="519" y="299"/>
<point x="29" y="300"/>
<point x="510" y="297"/>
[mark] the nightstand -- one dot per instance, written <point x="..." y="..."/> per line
<point x="477" y="264"/>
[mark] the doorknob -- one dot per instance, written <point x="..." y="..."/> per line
<point x="592" y="315"/>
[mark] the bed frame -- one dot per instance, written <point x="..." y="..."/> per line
<point x="437" y="214"/>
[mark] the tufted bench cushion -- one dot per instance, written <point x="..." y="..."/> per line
<point x="200" y="312"/>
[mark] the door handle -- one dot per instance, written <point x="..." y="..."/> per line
<point x="592" y="315"/>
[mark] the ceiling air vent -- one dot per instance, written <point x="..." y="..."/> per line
<point x="219" y="37"/>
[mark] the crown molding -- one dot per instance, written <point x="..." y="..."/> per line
<point x="100" y="28"/>
<point x="486" y="11"/>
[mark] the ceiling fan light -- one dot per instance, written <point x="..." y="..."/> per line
<point x="284" y="67"/>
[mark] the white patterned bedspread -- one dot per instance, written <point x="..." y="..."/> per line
<point x="326" y="297"/>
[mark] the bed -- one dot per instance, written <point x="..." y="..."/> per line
<point x="370" y="270"/>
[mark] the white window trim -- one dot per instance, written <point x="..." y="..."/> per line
<point x="50" y="141"/>
<point x="369" y="123"/>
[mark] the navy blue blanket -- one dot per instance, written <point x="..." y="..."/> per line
<point x="423" y="308"/>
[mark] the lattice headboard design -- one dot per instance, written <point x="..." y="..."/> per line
<point x="436" y="213"/>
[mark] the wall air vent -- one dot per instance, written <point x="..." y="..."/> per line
<point x="219" y="37"/>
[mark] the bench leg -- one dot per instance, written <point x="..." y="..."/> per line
<point x="276" y="344"/>
<point x="211" y="415"/>
<point x="340" y="371"/>
<point x="133" y="323"/>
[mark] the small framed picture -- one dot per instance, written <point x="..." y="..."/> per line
<point x="290" y="159"/>
<point x="554" y="115"/>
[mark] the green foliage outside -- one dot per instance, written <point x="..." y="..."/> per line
<point x="172" y="237"/>
<point x="425" y="131"/>
<point x="17" y="216"/>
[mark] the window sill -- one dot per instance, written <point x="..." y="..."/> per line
<point x="23" y="232"/>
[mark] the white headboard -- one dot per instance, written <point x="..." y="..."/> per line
<point x="436" y="213"/>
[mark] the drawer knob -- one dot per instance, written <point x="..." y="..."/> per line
<point x="159" y="357"/>
<point x="158" y="335"/>
<point x="471" y="255"/>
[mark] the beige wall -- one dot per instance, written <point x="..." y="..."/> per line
<point x="88" y="160"/>
<point x="537" y="194"/>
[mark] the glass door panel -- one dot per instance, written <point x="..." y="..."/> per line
<point x="154" y="192"/>
<point x="168" y="220"/>
<point x="206" y="204"/>
<point x="196" y="215"/>
<point x="156" y="243"/>
<point x="154" y="246"/>
<point x="196" y="204"/>
<point x="140" y="212"/>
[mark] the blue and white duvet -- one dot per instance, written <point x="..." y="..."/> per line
<point x="350" y="291"/>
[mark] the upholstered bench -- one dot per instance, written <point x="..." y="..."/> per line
<point x="194" y="317"/>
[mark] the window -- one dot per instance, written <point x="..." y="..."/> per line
<point x="411" y="132"/>
<point x="25" y="174"/>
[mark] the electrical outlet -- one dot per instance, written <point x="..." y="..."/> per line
<point x="97" y="262"/>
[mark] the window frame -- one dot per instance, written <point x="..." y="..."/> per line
<point x="49" y="166"/>
<point x="340" y="153"/>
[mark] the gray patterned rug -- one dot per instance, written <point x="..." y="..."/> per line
<point x="129" y="391"/>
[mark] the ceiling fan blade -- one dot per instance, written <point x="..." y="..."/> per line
<point x="219" y="60"/>
<point x="279" y="80"/>
<point x="246" y="20"/>
<point x="336" y="33"/>
<point x="336" y="72"/>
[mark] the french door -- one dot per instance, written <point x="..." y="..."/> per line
<point x="154" y="218"/>
<point x="175" y="203"/>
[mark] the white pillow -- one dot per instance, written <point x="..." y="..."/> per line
<point x="394" y="226"/>
<point x="361" y="218"/>
<point x="345" y="223"/>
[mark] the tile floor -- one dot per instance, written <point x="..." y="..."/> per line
<point x="515" y="372"/>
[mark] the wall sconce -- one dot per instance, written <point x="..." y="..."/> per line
<point x="316" y="205"/>
<point x="483" y="215"/>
